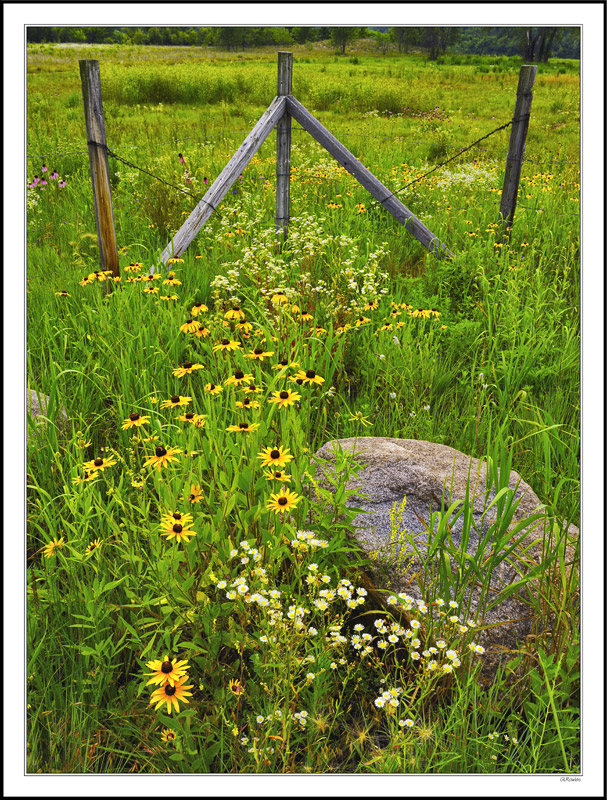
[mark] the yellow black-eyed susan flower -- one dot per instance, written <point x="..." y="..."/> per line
<point x="151" y="290"/>
<point x="135" y="420"/>
<point x="133" y="267"/>
<point x="212" y="388"/>
<point x="284" y="398"/>
<point x="251" y="388"/>
<point x="198" y="420"/>
<point x="94" y="545"/>
<point x="178" y="531"/>
<point x="239" y="377"/>
<point x="171" y="280"/>
<point x="198" y="308"/>
<point x="168" y="735"/>
<point x="171" y="517"/>
<point x="171" y="695"/>
<point x="274" y="457"/>
<point x="279" y="298"/>
<point x="187" y="368"/>
<point x="62" y="294"/>
<point x="226" y="344"/>
<point x="99" y="463"/>
<point x="309" y="376"/>
<point x="295" y="379"/>
<point x="166" y="670"/>
<point x="169" y="297"/>
<point x="243" y="427"/>
<point x="259" y="354"/>
<point x="162" y="457"/>
<point x="195" y="495"/>
<point x="387" y="326"/>
<point x="361" y="321"/>
<point x="434" y="313"/>
<point x="285" y="500"/>
<point x="285" y="362"/>
<point x="175" y="261"/>
<point x="371" y="305"/>
<point x="247" y="403"/>
<point x="175" y="401"/>
<point x="234" y="313"/>
<point x="236" y="687"/>
<point x="420" y="312"/>
<point x="189" y="326"/>
<point x="283" y="477"/>
<point x="306" y="316"/>
<point x="244" y="327"/>
<point x="87" y="477"/>
<point x="51" y="548"/>
<point x="202" y="332"/>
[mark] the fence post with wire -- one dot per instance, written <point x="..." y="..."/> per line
<point x="283" y="146"/>
<point x="98" y="158"/>
<point x="516" y="148"/>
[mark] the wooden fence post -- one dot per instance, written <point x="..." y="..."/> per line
<point x="516" y="148"/>
<point x="100" y="174"/>
<point x="283" y="146"/>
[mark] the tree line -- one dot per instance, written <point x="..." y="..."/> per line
<point x="532" y="43"/>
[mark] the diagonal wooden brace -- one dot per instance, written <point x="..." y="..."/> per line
<point x="366" y="178"/>
<point x="224" y="181"/>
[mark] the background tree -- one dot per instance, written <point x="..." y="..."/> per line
<point x="341" y="37"/>
<point x="383" y="41"/>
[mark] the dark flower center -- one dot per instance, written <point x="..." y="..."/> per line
<point x="170" y="690"/>
<point x="251" y="387"/>
<point x="246" y="401"/>
<point x="258" y="351"/>
<point x="284" y="395"/>
<point x="278" y="474"/>
<point x="299" y="381"/>
<point x="197" y="305"/>
<point x="160" y="451"/>
<point x="244" y="425"/>
<point x="189" y="321"/>
<point x="166" y="667"/>
<point x="177" y="528"/>
<point x="279" y="292"/>
<point x="86" y="475"/>
<point x="275" y="454"/>
<point x="310" y="373"/>
<point x="284" y="362"/>
<point x="225" y="341"/>
<point x="134" y="416"/>
<point x="239" y="375"/>
<point x="212" y="386"/>
<point x="187" y="365"/>
<point x="189" y="415"/>
<point x="175" y="398"/>
<point x="361" y="319"/>
<point x="98" y="462"/>
<point x="236" y="308"/>
<point x="282" y="501"/>
<point x="176" y="515"/>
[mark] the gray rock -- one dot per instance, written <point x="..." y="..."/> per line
<point x="430" y="475"/>
<point x="36" y="405"/>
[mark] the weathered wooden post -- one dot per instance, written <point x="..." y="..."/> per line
<point x="516" y="148"/>
<point x="100" y="173"/>
<point x="283" y="145"/>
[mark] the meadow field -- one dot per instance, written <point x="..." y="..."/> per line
<point x="192" y="606"/>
